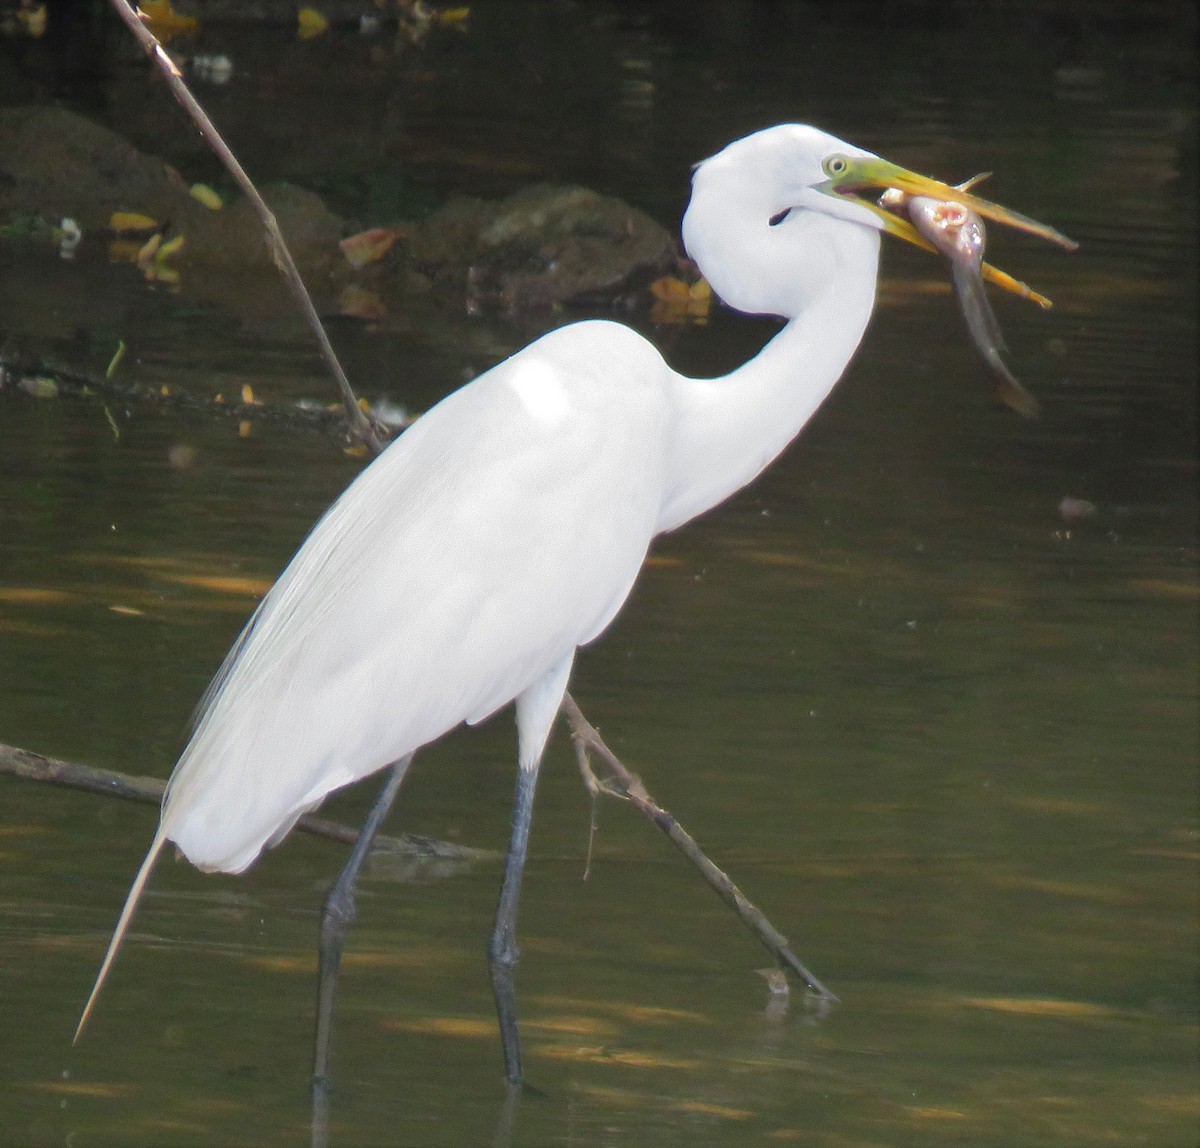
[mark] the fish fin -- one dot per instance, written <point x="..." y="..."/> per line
<point x="131" y="902"/>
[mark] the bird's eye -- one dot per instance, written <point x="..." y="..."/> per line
<point x="836" y="165"/>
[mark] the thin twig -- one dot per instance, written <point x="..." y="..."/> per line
<point x="112" y="783"/>
<point x="360" y="425"/>
<point x="630" y="786"/>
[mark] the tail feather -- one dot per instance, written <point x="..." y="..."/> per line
<point x="131" y="902"/>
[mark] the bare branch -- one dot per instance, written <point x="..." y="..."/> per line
<point x="626" y="784"/>
<point x="111" y="783"/>
<point x="360" y="425"/>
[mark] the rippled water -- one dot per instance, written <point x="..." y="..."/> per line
<point x="944" y="737"/>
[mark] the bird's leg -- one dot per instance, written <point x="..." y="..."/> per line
<point x="503" y="953"/>
<point x="537" y="707"/>
<point x="337" y="918"/>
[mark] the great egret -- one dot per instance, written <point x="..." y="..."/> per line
<point x="465" y="566"/>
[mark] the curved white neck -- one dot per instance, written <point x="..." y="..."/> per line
<point x="728" y="429"/>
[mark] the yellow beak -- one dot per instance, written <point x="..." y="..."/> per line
<point x="859" y="178"/>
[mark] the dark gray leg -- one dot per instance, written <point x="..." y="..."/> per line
<point x="503" y="953"/>
<point x="339" y="916"/>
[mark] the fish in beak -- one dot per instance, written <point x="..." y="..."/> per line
<point x="948" y="219"/>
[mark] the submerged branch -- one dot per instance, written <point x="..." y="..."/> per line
<point x="112" y="783"/>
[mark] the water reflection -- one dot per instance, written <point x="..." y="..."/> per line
<point x="944" y="738"/>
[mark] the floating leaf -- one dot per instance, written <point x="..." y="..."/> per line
<point x="245" y="428"/>
<point x="356" y="451"/>
<point x="135" y="221"/>
<point x="169" y="248"/>
<point x="248" y="399"/>
<point x="311" y="23"/>
<point x="149" y="249"/>
<point x="369" y="246"/>
<point x="454" y="16"/>
<point x="204" y="194"/>
<point x="128" y="611"/>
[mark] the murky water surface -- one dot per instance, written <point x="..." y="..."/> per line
<point x="945" y="738"/>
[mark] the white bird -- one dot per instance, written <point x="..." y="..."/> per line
<point x="466" y="565"/>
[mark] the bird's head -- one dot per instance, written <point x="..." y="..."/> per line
<point x="776" y="215"/>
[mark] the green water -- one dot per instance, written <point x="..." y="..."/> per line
<point x="946" y="739"/>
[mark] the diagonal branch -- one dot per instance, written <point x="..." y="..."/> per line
<point x="628" y="785"/>
<point x="360" y="425"/>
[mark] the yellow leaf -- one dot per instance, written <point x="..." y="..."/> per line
<point x="368" y="246"/>
<point x="149" y="249"/>
<point x="311" y="22"/>
<point x="164" y="21"/>
<point x="248" y="398"/>
<point x="245" y="428"/>
<point x="128" y="611"/>
<point x="204" y="194"/>
<point x="668" y="289"/>
<point x="356" y="451"/>
<point x="169" y="248"/>
<point x="357" y="302"/>
<point x="132" y="221"/>
<point x="454" y="15"/>
<point x="678" y="302"/>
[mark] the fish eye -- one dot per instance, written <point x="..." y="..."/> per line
<point x="836" y="165"/>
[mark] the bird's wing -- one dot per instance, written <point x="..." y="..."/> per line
<point x="504" y="529"/>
